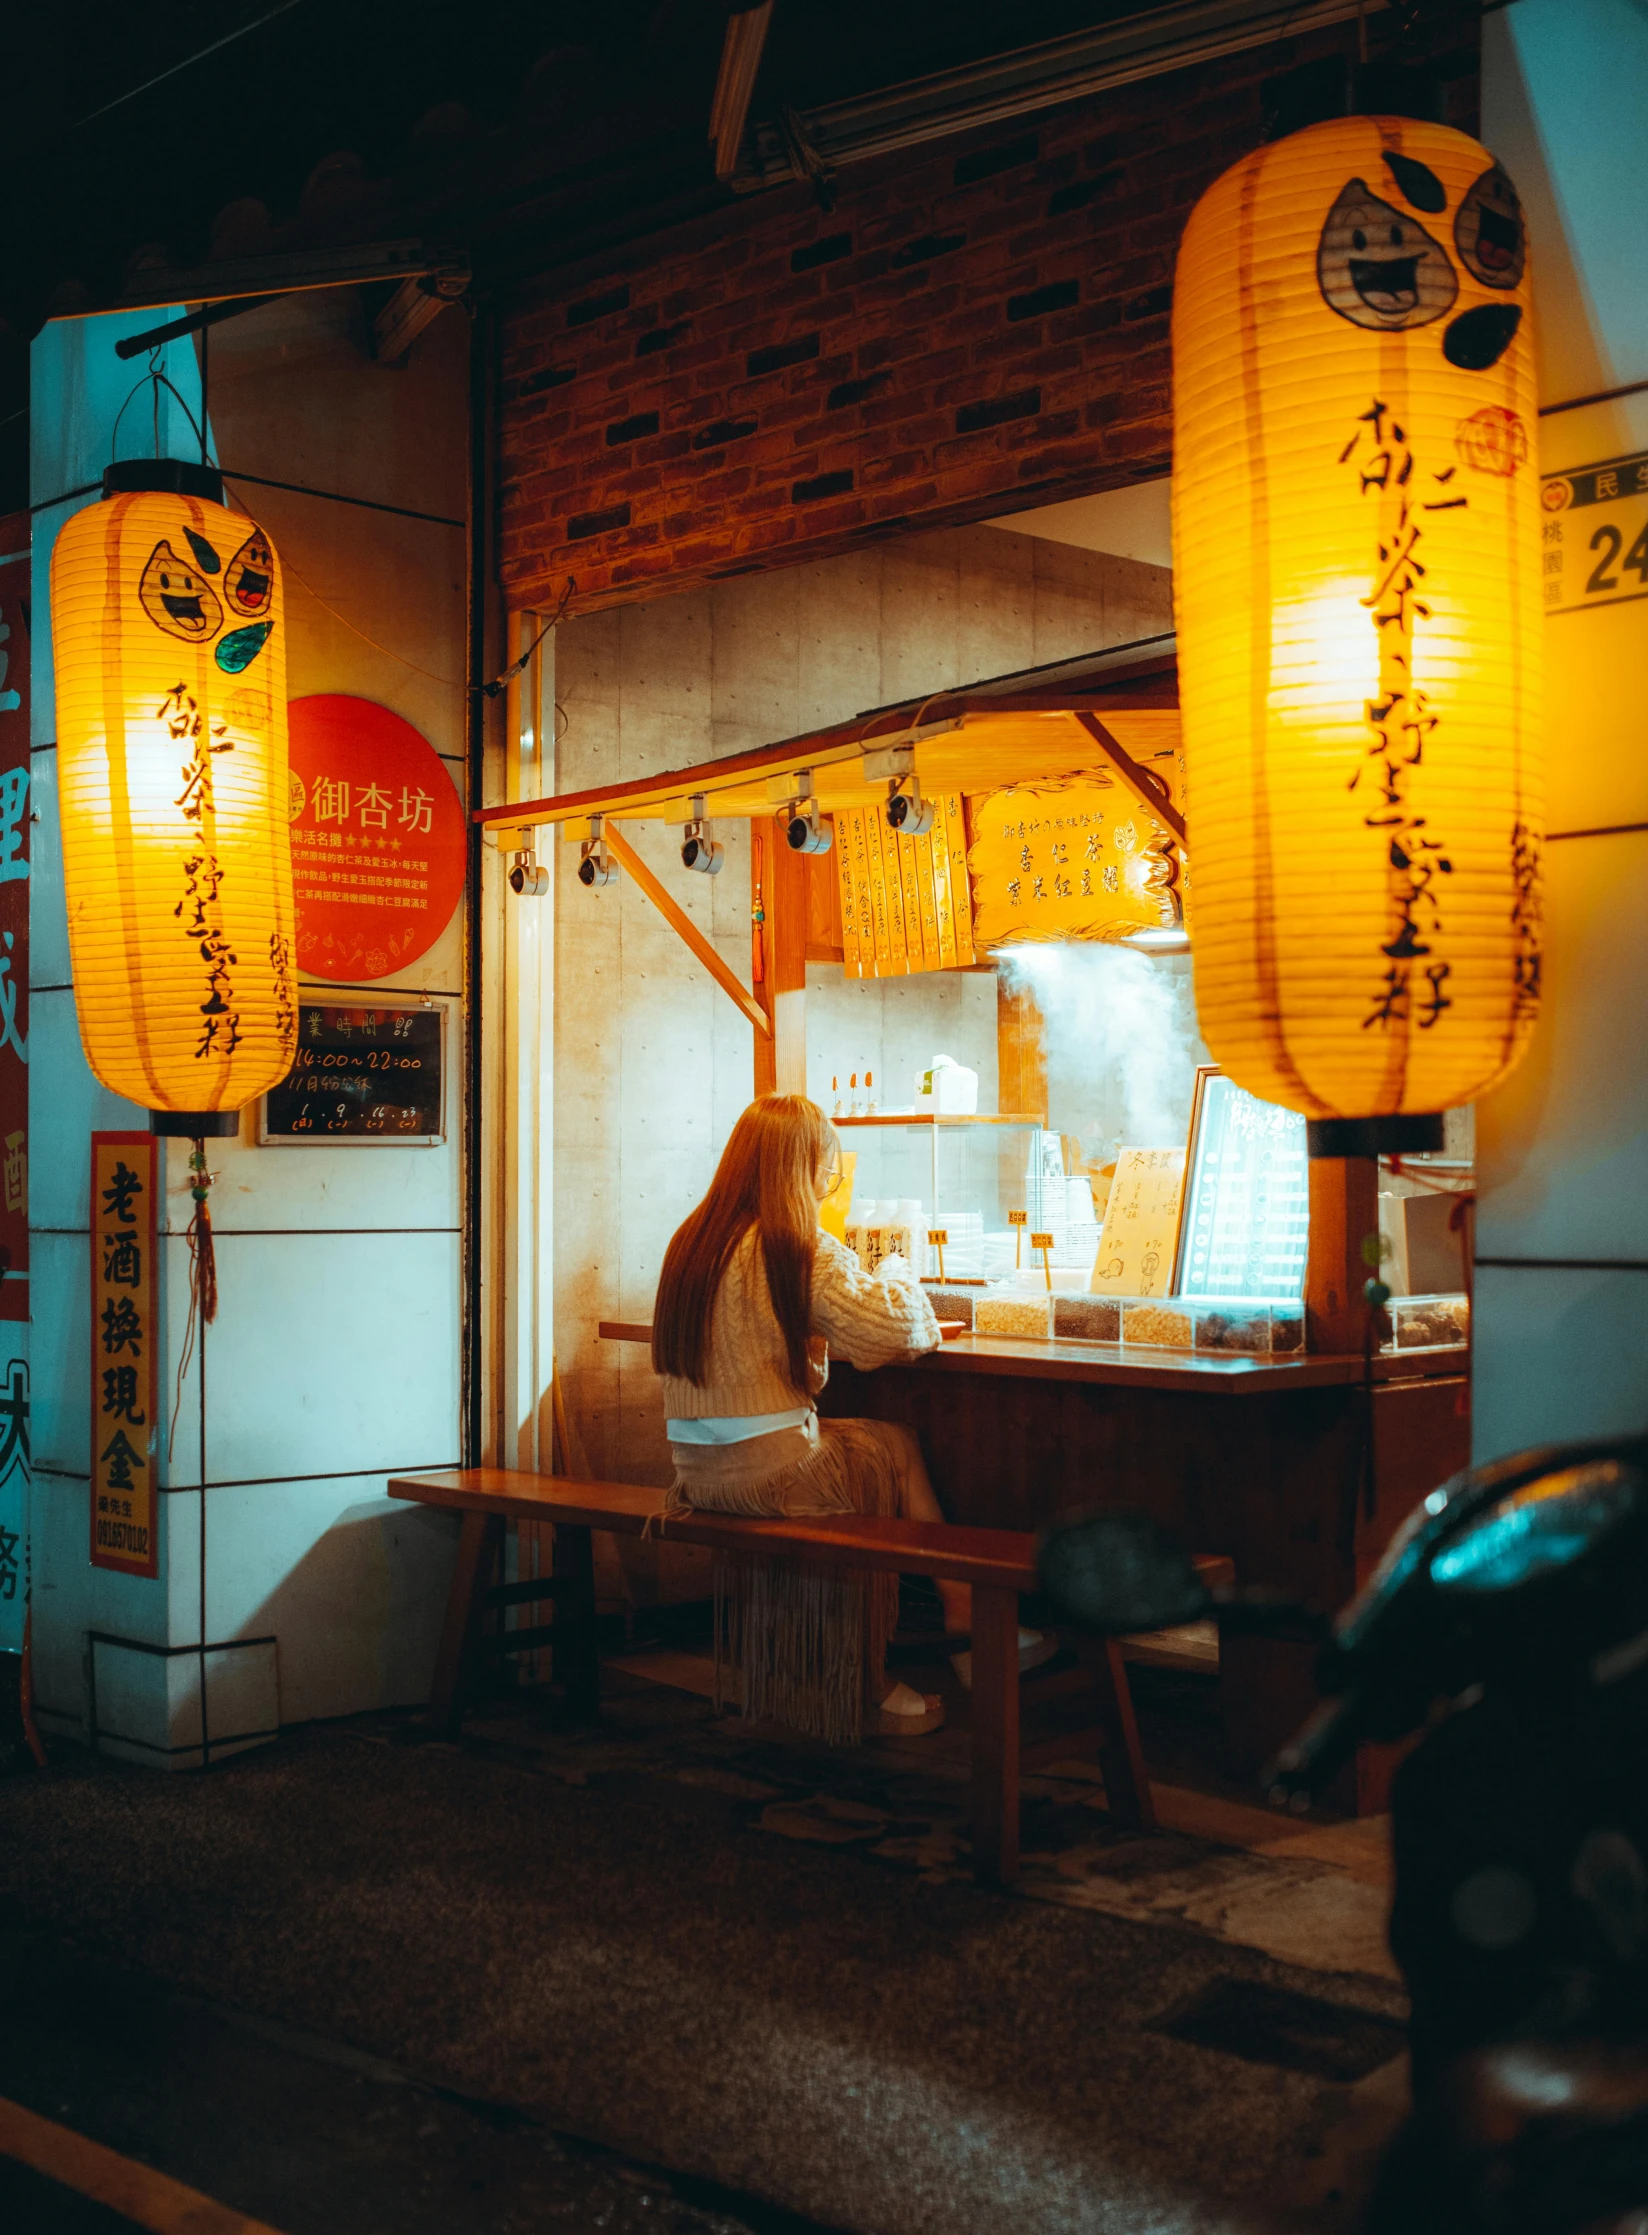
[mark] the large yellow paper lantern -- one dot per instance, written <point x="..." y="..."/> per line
<point x="1356" y="555"/>
<point x="168" y="647"/>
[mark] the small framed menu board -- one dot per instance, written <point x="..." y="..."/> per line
<point x="365" y="1075"/>
<point x="1141" y="1220"/>
<point x="1245" y="1225"/>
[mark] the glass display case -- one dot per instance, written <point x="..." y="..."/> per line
<point x="965" y="1177"/>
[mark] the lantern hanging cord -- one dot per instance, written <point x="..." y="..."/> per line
<point x="400" y="659"/>
<point x="518" y="667"/>
<point x="157" y="380"/>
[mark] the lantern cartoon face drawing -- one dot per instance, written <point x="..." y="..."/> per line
<point x="177" y="597"/>
<point x="250" y="576"/>
<point x="1378" y="267"/>
<point x="1489" y="232"/>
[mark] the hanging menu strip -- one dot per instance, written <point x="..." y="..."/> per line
<point x="901" y="910"/>
<point x="850" y="960"/>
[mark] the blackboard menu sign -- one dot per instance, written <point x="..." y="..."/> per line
<point x="1244" y="1228"/>
<point x="364" y="1075"/>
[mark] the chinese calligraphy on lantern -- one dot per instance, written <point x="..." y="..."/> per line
<point x="125" y="1427"/>
<point x="1412" y="988"/>
<point x="200" y="910"/>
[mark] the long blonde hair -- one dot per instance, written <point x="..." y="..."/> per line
<point x="767" y="1178"/>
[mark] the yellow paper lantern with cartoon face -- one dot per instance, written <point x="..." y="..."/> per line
<point x="1356" y="551"/>
<point x="168" y="647"/>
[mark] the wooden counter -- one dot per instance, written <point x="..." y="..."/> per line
<point x="1290" y="1466"/>
<point x="1197" y="1373"/>
<point x="1139" y="1365"/>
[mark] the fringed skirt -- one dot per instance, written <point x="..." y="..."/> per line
<point x="808" y="1642"/>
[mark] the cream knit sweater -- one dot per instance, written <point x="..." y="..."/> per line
<point x="868" y="1319"/>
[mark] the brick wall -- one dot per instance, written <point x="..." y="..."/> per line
<point x="975" y="327"/>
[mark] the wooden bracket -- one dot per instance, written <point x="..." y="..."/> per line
<point x="624" y="854"/>
<point x="1137" y="780"/>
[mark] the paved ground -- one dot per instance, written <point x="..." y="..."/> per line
<point x="807" y="2037"/>
<point x="312" y="2136"/>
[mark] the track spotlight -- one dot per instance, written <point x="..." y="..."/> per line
<point x="528" y="877"/>
<point x="594" y="862"/>
<point x="805" y="829"/>
<point x="698" y="849"/>
<point x="907" y="812"/>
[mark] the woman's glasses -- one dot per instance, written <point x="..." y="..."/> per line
<point x="833" y="1179"/>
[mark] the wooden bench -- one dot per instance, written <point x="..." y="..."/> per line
<point x="1091" y="1699"/>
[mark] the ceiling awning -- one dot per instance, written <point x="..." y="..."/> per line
<point x="1117" y="708"/>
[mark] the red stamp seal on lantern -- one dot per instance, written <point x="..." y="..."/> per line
<point x="378" y="839"/>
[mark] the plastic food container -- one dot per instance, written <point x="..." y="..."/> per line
<point x="1166" y="1326"/>
<point x="1287" y="1329"/>
<point x="952" y="1303"/>
<point x="1014" y="1312"/>
<point x="1427" y="1322"/>
<point x="1243" y="1328"/>
<point x="1087" y="1319"/>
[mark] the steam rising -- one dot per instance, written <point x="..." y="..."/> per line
<point x="1121" y="1040"/>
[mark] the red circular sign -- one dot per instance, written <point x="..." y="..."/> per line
<point x="377" y="839"/>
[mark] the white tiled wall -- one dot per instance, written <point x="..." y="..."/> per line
<point x="334" y="1358"/>
<point x="350" y="1582"/>
<point x="1561" y="1344"/>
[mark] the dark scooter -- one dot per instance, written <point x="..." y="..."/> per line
<point x="1508" y="1623"/>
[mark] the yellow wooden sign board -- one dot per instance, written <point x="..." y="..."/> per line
<point x="1073" y="858"/>
<point x="1141" y="1224"/>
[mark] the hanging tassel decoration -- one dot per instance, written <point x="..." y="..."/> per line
<point x="202" y="1279"/>
<point x="758" y="918"/>
<point x="202" y="1256"/>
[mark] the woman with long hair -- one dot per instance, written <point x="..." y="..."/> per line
<point x="753" y="1297"/>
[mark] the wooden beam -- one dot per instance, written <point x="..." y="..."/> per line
<point x="1137" y="781"/>
<point x="781" y="1060"/>
<point x="741" y="46"/>
<point x="624" y="854"/>
<point x="1344" y="1210"/>
<point x="1149" y="682"/>
<point x="787" y="960"/>
<point x="765" y="1079"/>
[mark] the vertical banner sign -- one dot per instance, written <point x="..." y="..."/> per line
<point x="14" y="1078"/>
<point x="125" y="1407"/>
